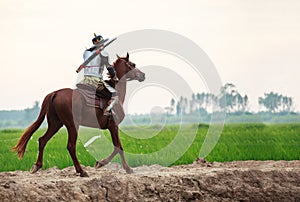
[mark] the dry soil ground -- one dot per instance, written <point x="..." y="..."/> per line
<point x="200" y="181"/>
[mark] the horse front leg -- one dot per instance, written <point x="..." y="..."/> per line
<point x="114" y="131"/>
<point x="105" y="161"/>
<point x="124" y="163"/>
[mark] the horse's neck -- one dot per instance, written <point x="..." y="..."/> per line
<point x="121" y="85"/>
<point x="121" y="90"/>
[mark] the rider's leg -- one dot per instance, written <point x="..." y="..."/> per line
<point x="112" y="101"/>
<point x="89" y="83"/>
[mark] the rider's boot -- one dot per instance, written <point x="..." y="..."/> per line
<point x="111" y="103"/>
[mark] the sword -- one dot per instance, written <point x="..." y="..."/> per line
<point x="98" y="49"/>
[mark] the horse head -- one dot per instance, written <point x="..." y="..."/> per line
<point x="126" y="70"/>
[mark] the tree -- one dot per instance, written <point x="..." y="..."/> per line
<point x="183" y="105"/>
<point x="231" y="100"/>
<point x="275" y="102"/>
<point x="172" y="104"/>
<point x="206" y="101"/>
<point x="178" y="109"/>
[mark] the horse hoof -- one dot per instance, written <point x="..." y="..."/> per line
<point x="99" y="164"/>
<point x="84" y="174"/>
<point x="129" y="171"/>
<point x="34" y="168"/>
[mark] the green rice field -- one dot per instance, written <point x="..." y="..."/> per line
<point x="168" y="145"/>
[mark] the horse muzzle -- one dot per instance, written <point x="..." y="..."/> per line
<point x="141" y="77"/>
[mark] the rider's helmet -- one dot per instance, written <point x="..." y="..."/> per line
<point x="97" y="39"/>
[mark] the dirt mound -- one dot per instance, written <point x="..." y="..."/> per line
<point x="234" y="181"/>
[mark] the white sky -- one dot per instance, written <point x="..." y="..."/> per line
<point x="253" y="44"/>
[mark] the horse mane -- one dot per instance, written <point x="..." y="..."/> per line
<point x="115" y="62"/>
<point x="118" y="60"/>
<point x="110" y="81"/>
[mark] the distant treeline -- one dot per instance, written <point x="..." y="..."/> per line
<point x="230" y="101"/>
<point x="203" y="117"/>
<point x="19" y="118"/>
<point x="200" y="107"/>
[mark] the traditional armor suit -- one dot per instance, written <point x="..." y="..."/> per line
<point x="93" y="72"/>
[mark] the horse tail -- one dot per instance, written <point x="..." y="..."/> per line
<point x="22" y="143"/>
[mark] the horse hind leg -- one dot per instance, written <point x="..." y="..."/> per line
<point x="53" y="127"/>
<point x="72" y="138"/>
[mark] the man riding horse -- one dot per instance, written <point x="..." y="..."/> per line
<point x="67" y="107"/>
<point x="93" y="71"/>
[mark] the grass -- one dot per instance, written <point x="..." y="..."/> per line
<point x="55" y="153"/>
<point x="169" y="145"/>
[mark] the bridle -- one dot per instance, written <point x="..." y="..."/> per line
<point x="130" y="65"/>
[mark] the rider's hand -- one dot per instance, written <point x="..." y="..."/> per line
<point x="115" y="78"/>
<point x="111" y="71"/>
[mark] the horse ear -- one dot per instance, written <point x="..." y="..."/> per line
<point x="118" y="56"/>
<point x="127" y="56"/>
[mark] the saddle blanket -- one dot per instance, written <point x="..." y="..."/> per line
<point x="91" y="99"/>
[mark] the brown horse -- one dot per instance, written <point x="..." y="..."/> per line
<point x="67" y="107"/>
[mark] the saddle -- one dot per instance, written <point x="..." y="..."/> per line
<point x="92" y="97"/>
<point x="100" y="100"/>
